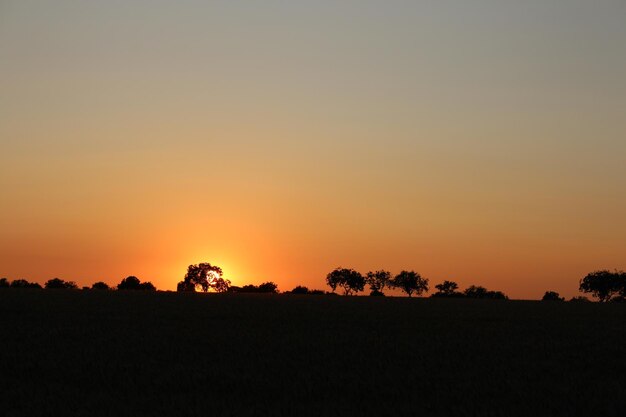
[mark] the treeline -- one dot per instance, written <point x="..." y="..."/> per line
<point x="409" y="282"/>
<point x="604" y="285"/>
<point x="128" y="283"/>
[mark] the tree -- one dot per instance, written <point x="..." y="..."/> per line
<point x="447" y="289"/>
<point x="552" y="296"/>
<point x="496" y="295"/>
<point x="4" y="283"/>
<point x="579" y="299"/>
<point x="300" y="290"/>
<point x="147" y="286"/>
<point x="377" y="281"/>
<point x="268" y="287"/>
<point x="205" y="277"/>
<point x="133" y="283"/>
<point x="100" y="286"/>
<point x="603" y="284"/>
<point x="59" y="284"/>
<point x="410" y="282"/>
<point x="22" y="283"/>
<point x="350" y="280"/>
<point x="474" y="291"/>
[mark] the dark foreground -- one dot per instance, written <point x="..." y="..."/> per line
<point x="89" y="353"/>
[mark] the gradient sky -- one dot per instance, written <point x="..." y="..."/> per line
<point x="476" y="141"/>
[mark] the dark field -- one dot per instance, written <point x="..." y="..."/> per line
<point x="90" y="353"/>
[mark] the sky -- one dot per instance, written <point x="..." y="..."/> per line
<point x="479" y="141"/>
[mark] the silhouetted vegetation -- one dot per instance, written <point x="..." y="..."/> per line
<point x="59" y="284"/>
<point x="300" y="290"/>
<point x="100" y="286"/>
<point x="410" y="282"/>
<point x="349" y="280"/>
<point x="378" y="281"/>
<point x="448" y="289"/>
<point x="604" y="284"/>
<point x="22" y="283"/>
<point x="205" y="277"/>
<point x="4" y="283"/>
<point x="552" y="296"/>
<point x="133" y="283"/>
<point x="579" y="299"/>
<point x="474" y="291"/>
<point x="266" y="288"/>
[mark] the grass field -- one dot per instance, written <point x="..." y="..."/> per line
<point x="107" y="353"/>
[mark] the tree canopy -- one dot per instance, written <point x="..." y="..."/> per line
<point x="377" y="281"/>
<point x="100" y="286"/>
<point x="552" y="296"/>
<point x="134" y="283"/>
<point x="410" y="282"/>
<point x="22" y="283"/>
<point x="474" y="291"/>
<point x="447" y="289"/>
<point x="604" y="284"/>
<point x="349" y="280"/>
<point x="57" y="283"/>
<point x="205" y="277"/>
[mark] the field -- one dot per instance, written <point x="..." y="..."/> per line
<point x="100" y="353"/>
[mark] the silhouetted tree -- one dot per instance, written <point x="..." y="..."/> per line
<point x="552" y="296"/>
<point x="377" y="281"/>
<point x="474" y="291"/>
<point x="220" y="284"/>
<point x="59" y="284"/>
<point x="318" y="292"/>
<point x="268" y="287"/>
<point x="579" y="299"/>
<point x="185" y="286"/>
<point x="133" y="283"/>
<point x="129" y="283"/>
<point x="603" y="284"/>
<point x="147" y="286"/>
<point x="100" y="286"/>
<point x="249" y="288"/>
<point x="350" y="280"/>
<point x="205" y="277"/>
<point x="496" y="295"/>
<point x="22" y="283"/>
<point x="4" y="283"/>
<point x="300" y="290"/>
<point x="448" y="289"/>
<point x="410" y="282"/>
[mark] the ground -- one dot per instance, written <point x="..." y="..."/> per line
<point x="109" y="353"/>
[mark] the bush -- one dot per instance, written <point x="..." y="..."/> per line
<point x="300" y="290"/>
<point x="100" y="286"/>
<point x="59" y="284"/>
<point x="552" y="296"/>
<point x="133" y="283"/>
<point x="268" y="287"/>
<point x="22" y="283"/>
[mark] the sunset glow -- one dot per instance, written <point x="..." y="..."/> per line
<point x="280" y="140"/>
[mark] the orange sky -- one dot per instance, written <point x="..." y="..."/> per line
<point x="479" y="143"/>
